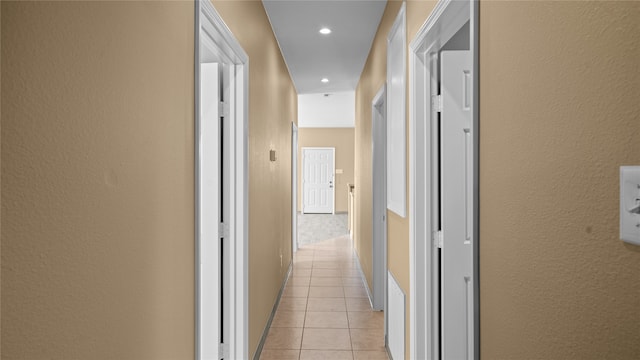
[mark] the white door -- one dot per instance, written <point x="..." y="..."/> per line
<point x="317" y="180"/>
<point x="456" y="187"/>
<point x="226" y="177"/>
<point x="214" y="188"/>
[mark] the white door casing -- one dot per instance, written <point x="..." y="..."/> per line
<point x="379" y="198"/>
<point x="456" y="202"/>
<point x="221" y="191"/>
<point x="318" y="173"/>
<point x="447" y="19"/>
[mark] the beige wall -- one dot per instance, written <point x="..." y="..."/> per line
<point x="273" y="106"/>
<point x="0" y="181"/>
<point x="373" y="77"/>
<point x="559" y="113"/>
<point x="342" y="139"/>
<point x="97" y="177"/>
<point x="97" y="180"/>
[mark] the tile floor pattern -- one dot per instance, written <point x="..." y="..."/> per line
<point x="324" y="312"/>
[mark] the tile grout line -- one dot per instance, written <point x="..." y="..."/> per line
<point x="344" y="267"/>
<point x="306" y="305"/>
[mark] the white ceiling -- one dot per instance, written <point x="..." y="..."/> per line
<point x="311" y="56"/>
<point x="336" y="110"/>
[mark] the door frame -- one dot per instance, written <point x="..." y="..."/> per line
<point x="294" y="188"/>
<point x="213" y="34"/>
<point x="333" y="150"/>
<point x="379" y="169"/>
<point x="445" y="20"/>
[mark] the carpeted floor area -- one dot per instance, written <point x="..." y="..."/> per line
<point x="313" y="228"/>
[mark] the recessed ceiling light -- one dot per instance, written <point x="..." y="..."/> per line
<point x="325" y="80"/>
<point x="325" y="31"/>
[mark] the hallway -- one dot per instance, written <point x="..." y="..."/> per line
<point x="324" y="312"/>
<point x="102" y="253"/>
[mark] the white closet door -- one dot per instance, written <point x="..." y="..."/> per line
<point x="210" y="211"/>
<point x="456" y="189"/>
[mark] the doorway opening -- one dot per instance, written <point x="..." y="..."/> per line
<point x="221" y="73"/>
<point x="326" y="169"/>
<point x="444" y="184"/>
<point x="294" y="188"/>
<point x="378" y="295"/>
<point x="379" y="197"/>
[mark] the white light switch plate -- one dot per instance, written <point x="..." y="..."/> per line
<point x="629" y="201"/>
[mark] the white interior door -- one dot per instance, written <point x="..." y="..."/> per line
<point x="215" y="180"/>
<point x="318" y="180"/>
<point x="226" y="179"/>
<point x="456" y="187"/>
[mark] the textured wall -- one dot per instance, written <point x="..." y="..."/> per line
<point x="343" y="140"/>
<point x="560" y="83"/>
<point x="0" y="182"/>
<point x="272" y="108"/>
<point x="97" y="180"/>
<point x="97" y="177"/>
<point x="372" y="78"/>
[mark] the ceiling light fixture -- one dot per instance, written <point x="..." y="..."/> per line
<point x="325" y="80"/>
<point x="325" y="31"/>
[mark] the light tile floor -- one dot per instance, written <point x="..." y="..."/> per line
<point x="324" y="312"/>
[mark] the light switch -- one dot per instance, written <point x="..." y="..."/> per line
<point x="338" y="171"/>
<point x="630" y="204"/>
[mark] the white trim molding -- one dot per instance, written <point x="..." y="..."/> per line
<point x="445" y="20"/>
<point x="213" y="38"/>
<point x="379" y="197"/>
